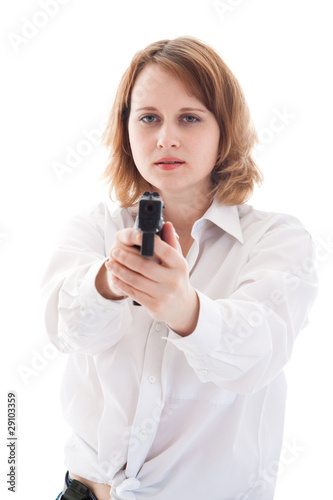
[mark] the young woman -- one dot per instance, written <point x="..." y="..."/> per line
<point x="183" y="397"/>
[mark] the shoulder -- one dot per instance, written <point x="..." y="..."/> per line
<point x="259" y="221"/>
<point x="105" y="217"/>
<point x="278" y="233"/>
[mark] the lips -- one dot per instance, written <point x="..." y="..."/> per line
<point x="169" y="163"/>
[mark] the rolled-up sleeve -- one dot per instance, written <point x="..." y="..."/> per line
<point x="242" y="342"/>
<point x="77" y="317"/>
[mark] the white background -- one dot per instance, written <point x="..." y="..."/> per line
<point x="59" y="76"/>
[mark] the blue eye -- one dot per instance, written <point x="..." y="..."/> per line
<point x="148" y="119"/>
<point x="191" y="119"/>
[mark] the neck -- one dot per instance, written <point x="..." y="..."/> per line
<point x="183" y="211"/>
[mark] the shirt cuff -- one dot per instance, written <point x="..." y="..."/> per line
<point x="206" y="337"/>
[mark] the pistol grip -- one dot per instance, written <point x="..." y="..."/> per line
<point x="147" y="250"/>
<point x="147" y="247"/>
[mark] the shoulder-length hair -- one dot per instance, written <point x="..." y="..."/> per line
<point x="208" y="78"/>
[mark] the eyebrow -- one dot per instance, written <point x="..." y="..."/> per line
<point x="183" y="110"/>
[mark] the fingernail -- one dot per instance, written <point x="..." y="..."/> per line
<point x="109" y="265"/>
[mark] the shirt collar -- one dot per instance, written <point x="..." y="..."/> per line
<point x="226" y="217"/>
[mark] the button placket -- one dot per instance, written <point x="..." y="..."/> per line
<point x="150" y="404"/>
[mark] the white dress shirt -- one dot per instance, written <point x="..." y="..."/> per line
<point x="156" y="415"/>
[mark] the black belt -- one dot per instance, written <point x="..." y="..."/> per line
<point x="77" y="490"/>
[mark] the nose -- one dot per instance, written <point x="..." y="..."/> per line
<point x="168" y="136"/>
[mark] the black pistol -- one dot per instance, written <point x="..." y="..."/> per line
<point x="149" y="221"/>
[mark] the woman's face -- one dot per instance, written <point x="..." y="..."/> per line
<point x="174" y="138"/>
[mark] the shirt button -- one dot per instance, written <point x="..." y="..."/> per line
<point x="87" y="314"/>
<point x="158" y="327"/>
<point x="202" y="372"/>
<point x="142" y="433"/>
<point x="152" y="379"/>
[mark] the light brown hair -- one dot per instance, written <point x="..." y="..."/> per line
<point x="208" y="78"/>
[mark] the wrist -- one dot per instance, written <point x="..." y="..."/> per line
<point x="187" y="323"/>
<point x="103" y="287"/>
